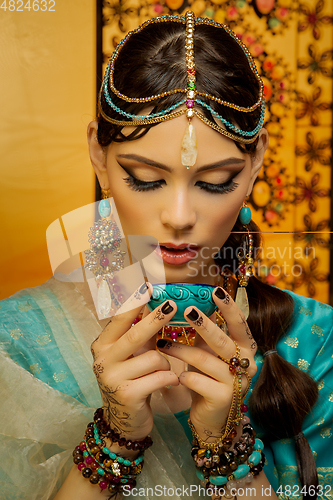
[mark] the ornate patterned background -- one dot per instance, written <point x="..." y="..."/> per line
<point x="292" y="46"/>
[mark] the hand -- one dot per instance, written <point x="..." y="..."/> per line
<point x="209" y="377"/>
<point x="126" y="381"/>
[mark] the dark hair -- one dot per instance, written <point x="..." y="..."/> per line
<point x="153" y="61"/>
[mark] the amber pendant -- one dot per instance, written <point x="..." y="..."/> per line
<point x="189" y="149"/>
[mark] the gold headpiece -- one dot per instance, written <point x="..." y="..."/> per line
<point x="188" y="150"/>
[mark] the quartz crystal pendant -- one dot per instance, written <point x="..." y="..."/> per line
<point x="189" y="149"/>
<point x="104" y="299"/>
<point x="242" y="301"/>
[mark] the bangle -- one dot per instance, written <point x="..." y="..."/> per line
<point x="103" y="467"/>
<point x="106" y="431"/>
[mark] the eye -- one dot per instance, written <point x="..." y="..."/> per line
<point x="225" y="187"/>
<point x="139" y="185"/>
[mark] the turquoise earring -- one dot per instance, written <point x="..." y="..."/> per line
<point x="245" y="215"/>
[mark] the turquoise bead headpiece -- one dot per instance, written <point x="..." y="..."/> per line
<point x="188" y="106"/>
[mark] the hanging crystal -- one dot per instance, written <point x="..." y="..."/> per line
<point x="189" y="149"/>
<point x="104" y="299"/>
<point x="242" y="301"/>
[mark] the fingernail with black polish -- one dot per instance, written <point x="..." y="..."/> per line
<point x="193" y="315"/>
<point x="161" y="343"/>
<point x="167" y="308"/>
<point x="143" y="288"/>
<point x="220" y="294"/>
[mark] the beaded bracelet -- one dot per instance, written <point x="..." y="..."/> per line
<point x="230" y="468"/>
<point x="103" y="467"/>
<point x="243" y="474"/>
<point x="204" y="457"/>
<point x="106" y="431"/>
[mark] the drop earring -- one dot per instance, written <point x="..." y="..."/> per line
<point x="105" y="258"/>
<point x="245" y="262"/>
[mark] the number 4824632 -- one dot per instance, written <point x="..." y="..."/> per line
<point x="30" y="5"/>
<point x="295" y="491"/>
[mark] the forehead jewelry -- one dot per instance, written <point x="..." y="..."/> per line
<point x="187" y="106"/>
<point x="189" y="148"/>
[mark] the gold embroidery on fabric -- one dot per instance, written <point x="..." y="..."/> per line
<point x="305" y="310"/>
<point x="291" y="341"/>
<point x="43" y="339"/>
<point x="258" y="358"/>
<point x="315" y="454"/>
<point x="322" y="350"/>
<point x="326" y="432"/>
<point x="303" y="364"/>
<point x="60" y="377"/>
<point x="330" y="397"/>
<point x="324" y="306"/>
<point x="285" y="441"/>
<point x="317" y="330"/>
<point x="320" y="421"/>
<point x="16" y="334"/>
<point x="288" y="475"/>
<point x="35" y="368"/>
<point x="321" y="384"/>
<point x="23" y="307"/>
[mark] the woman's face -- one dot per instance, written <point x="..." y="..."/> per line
<point x="193" y="208"/>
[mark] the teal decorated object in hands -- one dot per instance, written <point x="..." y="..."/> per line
<point x="185" y="295"/>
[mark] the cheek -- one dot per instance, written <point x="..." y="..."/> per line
<point x="225" y="214"/>
<point x="221" y="218"/>
<point x="133" y="213"/>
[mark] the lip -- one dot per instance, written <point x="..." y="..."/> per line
<point x="177" y="255"/>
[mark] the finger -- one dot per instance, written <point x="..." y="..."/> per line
<point x="199" y="341"/>
<point x="204" y="361"/>
<point x="237" y="325"/>
<point x="145" y="312"/>
<point x="120" y="323"/>
<point x="146" y="363"/>
<point x="153" y="382"/>
<point x="210" y="389"/>
<point x="141" y="332"/>
<point x="216" y="339"/>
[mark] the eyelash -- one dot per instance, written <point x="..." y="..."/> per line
<point x="138" y="185"/>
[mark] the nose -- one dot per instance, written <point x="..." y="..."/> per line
<point x="179" y="211"/>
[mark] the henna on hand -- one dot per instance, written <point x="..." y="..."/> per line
<point x="248" y="332"/>
<point x="117" y="419"/>
<point x="98" y="368"/>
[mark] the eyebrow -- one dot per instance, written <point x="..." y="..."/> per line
<point x="152" y="163"/>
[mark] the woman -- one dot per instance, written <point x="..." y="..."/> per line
<point x="178" y="166"/>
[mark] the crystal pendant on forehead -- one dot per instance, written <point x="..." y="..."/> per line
<point x="189" y="149"/>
